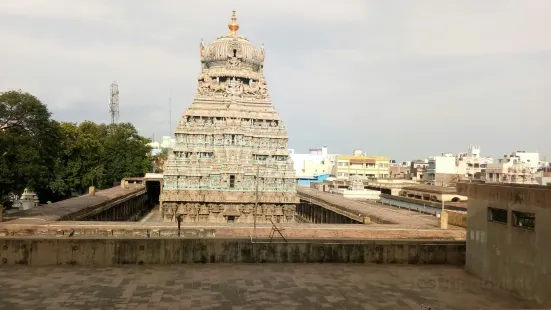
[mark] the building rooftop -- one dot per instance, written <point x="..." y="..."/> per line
<point x="432" y="189"/>
<point x="266" y="286"/>
<point x="73" y="207"/>
<point x="377" y="212"/>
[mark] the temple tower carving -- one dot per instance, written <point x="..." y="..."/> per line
<point x="230" y="162"/>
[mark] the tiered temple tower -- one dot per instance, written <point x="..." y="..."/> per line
<point x="230" y="162"/>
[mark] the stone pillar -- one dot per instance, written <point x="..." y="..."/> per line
<point x="444" y="220"/>
<point x="92" y="191"/>
<point x="316" y="214"/>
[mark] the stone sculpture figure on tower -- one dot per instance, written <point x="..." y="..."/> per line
<point x="231" y="134"/>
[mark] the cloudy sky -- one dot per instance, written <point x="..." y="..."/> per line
<point x="407" y="79"/>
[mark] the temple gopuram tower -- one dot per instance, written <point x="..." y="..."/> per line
<point x="230" y="162"/>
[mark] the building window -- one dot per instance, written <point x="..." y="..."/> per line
<point x="231" y="219"/>
<point x="497" y="215"/>
<point x="524" y="220"/>
<point x="232" y="181"/>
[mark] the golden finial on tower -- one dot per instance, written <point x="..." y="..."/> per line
<point x="233" y="26"/>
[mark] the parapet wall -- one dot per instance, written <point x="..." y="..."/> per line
<point x="533" y="195"/>
<point x="457" y="218"/>
<point x="94" y="251"/>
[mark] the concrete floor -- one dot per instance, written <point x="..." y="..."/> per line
<point x="281" y="286"/>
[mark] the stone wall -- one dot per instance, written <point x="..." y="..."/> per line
<point x="94" y="251"/>
<point x="290" y="231"/>
<point x="500" y="250"/>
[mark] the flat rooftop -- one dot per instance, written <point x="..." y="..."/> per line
<point x="394" y="215"/>
<point x="77" y="205"/>
<point x="23" y="228"/>
<point x="242" y="286"/>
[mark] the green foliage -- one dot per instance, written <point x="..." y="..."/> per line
<point x="99" y="155"/>
<point x="29" y="143"/>
<point x="58" y="160"/>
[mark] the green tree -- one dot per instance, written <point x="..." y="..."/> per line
<point x="29" y="144"/>
<point x="126" y="153"/>
<point x="98" y="155"/>
<point x="79" y="164"/>
<point x="58" y="160"/>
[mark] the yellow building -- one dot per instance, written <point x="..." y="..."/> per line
<point x="362" y="165"/>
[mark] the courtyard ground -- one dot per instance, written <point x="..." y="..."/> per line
<point x="242" y="286"/>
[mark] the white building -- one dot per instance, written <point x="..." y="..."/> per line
<point x="518" y="167"/>
<point x="317" y="162"/>
<point x="471" y="165"/>
<point x="448" y="168"/>
<point x="441" y="169"/>
<point x="168" y="142"/>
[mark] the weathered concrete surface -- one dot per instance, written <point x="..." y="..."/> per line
<point x="513" y="257"/>
<point x="251" y="287"/>
<point x="457" y="218"/>
<point x="113" y="251"/>
<point x="297" y="230"/>
<point x="378" y="213"/>
<point x="79" y="207"/>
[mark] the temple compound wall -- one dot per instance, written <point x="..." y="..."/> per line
<point x="508" y="233"/>
<point x="231" y="161"/>
<point x="115" y="251"/>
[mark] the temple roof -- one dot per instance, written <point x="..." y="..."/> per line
<point x="232" y="45"/>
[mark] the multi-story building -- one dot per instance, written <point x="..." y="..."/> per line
<point x="471" y="165"/>
<point x="447" y="168"/>
<point x="543" y="176"/>
<point x="399" y="170"/>
<point x="417" y="169"/>
<point x="361" y="165"/>
<point x="518" y="167"/>
<point x="441" y="170"/>
<point x="315" y="163"/>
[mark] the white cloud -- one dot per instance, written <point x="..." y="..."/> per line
<point x="373" y="71"/>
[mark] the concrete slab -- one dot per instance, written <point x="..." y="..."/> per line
<point x="265" y="286"/>
<point x="76" y="206"/>
<point x="381" y="213"/>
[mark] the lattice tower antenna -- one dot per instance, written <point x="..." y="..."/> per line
<point x="114" y="103"/>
